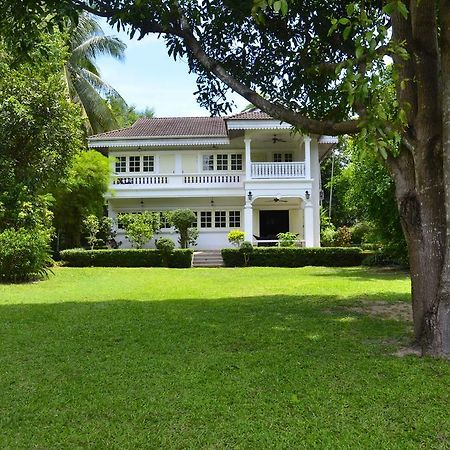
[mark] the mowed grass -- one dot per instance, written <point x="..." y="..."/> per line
<point x="214" y="358"/>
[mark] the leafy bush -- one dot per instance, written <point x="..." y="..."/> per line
<point x="236" y="237"/>
<point x="24" y="255"/>
<point x="140" y="228"/>
<point x="246" y="249"/>
<point x="294" y="257"/>
<point x="362" y="232"/>
<point x="287" y="239"/>
<point x="343" y="237"/>
<point x="91" y="224"/>
<point x="166" y="246"/>
<point x="182" y="220"/>
<point x="125" y="258"/>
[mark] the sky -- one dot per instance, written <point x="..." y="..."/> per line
<point x="150" y="78"/>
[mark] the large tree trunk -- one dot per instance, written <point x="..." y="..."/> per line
<point x="422" y="171"/>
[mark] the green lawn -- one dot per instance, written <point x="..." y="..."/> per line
<point x="214" y="358"/>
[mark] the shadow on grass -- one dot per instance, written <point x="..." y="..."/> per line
<point x="374" y="273"/>
<point x="246" y="372"/>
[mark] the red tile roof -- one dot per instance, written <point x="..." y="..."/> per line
<point x="170" y="126"/>
<point x="250" y="115"/>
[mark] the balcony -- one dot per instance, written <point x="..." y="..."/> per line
<point x="177" y="181"/>
<point x="278" y="170"/>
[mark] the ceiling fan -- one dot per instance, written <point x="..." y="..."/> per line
<point x="277" y="199"/>
<point x="276" y="139"/>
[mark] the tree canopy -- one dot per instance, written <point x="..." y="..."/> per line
<point x="319" y="66"/>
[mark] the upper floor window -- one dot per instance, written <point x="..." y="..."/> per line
<point x="208" y="162"/>
<point x="121" y="164"/>
<point x="135" y="163"/>
<point x="222" y="162"/>
<point x="236" y="161"/>
<point x="282" y="157"/>
<point x="148" y="163"/>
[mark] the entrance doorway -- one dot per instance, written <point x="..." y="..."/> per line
<point x="273" y="222"/>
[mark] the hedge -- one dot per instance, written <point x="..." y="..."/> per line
<point x="180" y="258"/>
<point x="295" y="257"/>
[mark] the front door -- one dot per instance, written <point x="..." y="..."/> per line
<point x="273" y="222"/>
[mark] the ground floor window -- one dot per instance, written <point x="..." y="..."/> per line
<point x="220" y="219"/>
<point x="206" y="219"/>
<point x="234" y="219"/>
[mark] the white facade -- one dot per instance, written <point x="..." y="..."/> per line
<point x="255" y="176"/>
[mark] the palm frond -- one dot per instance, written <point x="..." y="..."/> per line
<point x="96" y="46"/>
<point x="97" y="110"/>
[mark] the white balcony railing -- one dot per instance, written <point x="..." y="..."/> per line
<point x="278" y="170"/>
<point x="131" y="181"/>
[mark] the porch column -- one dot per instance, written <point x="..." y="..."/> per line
<point x="248" y="222"/>
<point x="309" y="225"/>
<point x="248" y="159"/>
<point x="307" y="141"/>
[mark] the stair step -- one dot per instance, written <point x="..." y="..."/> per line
<point x="208" y="258"/>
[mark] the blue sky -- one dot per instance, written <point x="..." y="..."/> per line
<point x="150" y="78"/>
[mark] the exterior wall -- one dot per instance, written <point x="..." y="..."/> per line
<point x="184" y="184"/>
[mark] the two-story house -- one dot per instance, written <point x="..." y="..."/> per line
<point x="247" y="171"/>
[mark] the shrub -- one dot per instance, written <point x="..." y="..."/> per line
<point x="246" y="249"/>
<point x="295" y="257"/>
<point x="343" y="237"/>
<point x="140" y="228"/>
<point x="236" y="237"/>
<point x="91" y="224"/>
<point x="24" y="255"/>
<point x="287" y="239"/>
<point x="125" y="258"/>
<point x="182" y="220"/>
<point x="166" y="246"/>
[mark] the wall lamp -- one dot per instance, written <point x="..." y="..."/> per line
<point x="307" y="195"/>
<point x="250" y="196"/>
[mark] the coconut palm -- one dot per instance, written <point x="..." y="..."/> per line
<point x="87" y="42"/>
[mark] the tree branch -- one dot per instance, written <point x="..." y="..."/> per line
<point x="273" y="109"/>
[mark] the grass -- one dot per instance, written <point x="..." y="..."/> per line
<point x="214" y="358"/>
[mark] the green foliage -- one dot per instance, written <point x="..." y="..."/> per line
<point x="362" y="232"/>
<point x="236" y="237"/>
<point x="370" y="196"/>
<point x="182" y="220"/>
<point x="91" y="225"/>
<point x="246" y="250"/>
<point x="166" y="247"/>
<point x="140" y="228"/>
<point x="40" y="130"/>
<point x="180" y="258"/>
<point x="127" y="115"/>
<point x="79" y="194"/>
<point x="86" y="43"/>
<point x="294" y="257"/>
<point x="343" y="237"/>
<point x="24" y="254"/>
<point x="327" y="230"/>
<point x="287" y="239"/>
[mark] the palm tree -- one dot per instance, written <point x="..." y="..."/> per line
<point x="87" y="41"/>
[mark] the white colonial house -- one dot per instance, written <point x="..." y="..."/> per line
<point x="247" y="171"/>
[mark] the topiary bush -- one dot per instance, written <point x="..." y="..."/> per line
<point x="24" y="255"/>
<point x="180" y="258"/>
<point x="295" y="257"/>
<point x="236" y="237"/>
<point x="166" y="246"/>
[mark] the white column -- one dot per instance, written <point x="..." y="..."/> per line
<point x="307" y="141"/>
<point x="309" y="225"/>
<point x="248" y="222"/>
<point x="248" y="159"/>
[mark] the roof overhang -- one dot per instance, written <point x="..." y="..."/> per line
<point x="328" y="140"/>
<point x="257" y="125"/>
<point x="157" y="142"/>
